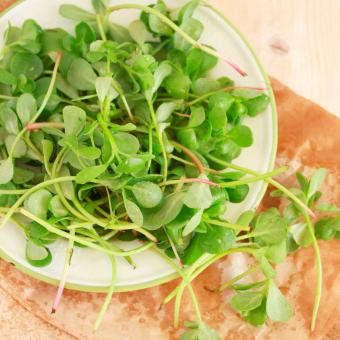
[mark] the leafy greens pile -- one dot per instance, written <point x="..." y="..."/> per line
<point x="118" y="133"/>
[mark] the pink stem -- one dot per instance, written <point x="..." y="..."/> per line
<point x="200" y="180"/>
<point x="60" y="291"/>
<point x="37" y="126"/>
<point x="235" y="67"/>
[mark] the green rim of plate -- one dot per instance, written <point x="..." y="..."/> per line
<point x="167" y="278"/>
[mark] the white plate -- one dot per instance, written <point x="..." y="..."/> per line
<point x="90" y="270"/>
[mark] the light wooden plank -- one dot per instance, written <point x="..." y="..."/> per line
<point x="298" y="42"/>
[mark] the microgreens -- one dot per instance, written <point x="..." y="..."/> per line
<point x="118" y="133"/>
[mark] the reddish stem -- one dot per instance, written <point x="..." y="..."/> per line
<point x="235" y="67"/>
<point x="200" y="180"/>
<point x="191" y="155"/>
<point x="38" y="126"/>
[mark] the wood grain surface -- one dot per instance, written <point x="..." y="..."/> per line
<point x="298" y="42"/>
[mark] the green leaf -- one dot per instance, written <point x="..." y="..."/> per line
<point x="188" y="138"/>
<point x="221" y="100"/>
<point x="138" y="32"/>
<point x="22" y="175"/>
<point x="266" y="267"/>
<point x="277" y="307"/>
<point x="301" y="234"/>
<point x="148" y="194"/>
<point x="7" y="200"/>
<point x="276" y="253"/>
<point x="156" y="25"/>
<point x="218" y="118"/>
<point x="198" y="196"/>
<point x="315" y="182"/>
<point x="47" y="148"/>
<point x="326" y="207"/>
<point x="191" y="334"/>
<point x="133" y="212"/>
<point x="63" y="86"/>
<point x="257" y="104"/>
<point x="76" y="13"/>
<point x="91" y="173"/>
<point x="161" y="72"/>
<point x="38" y="202"/>
<point x="246" y="301"/>
<point x="20" y="147"/>
<point x="187" y="10"/>
<point x="217" y="239"/>
<point x="103" y="85"/>
<point x="57" y="208"/>
<point x="167" y="212"/>
<point x="207" y="333"/>
<point x="89" y="152"/>
<point x="81" y="75"/>
<point x="119" y="33"/>
<point x="257" y="316"/>
<point x="127" y="143"/>
<point x="7" y="78"/>
<point x="6" y="170"/>
<point x="177" y="84"/>
<point x="270" y="227"/>
<point x="245" y="218"/>
<point x="131" y="165"/>
<point x="74" y="119"/>
<point x="26" y="108"/>
<point x="26" y="64"/>
<point x="238" y="193"/>
<point x="197" y="117"/>
<point x="165" y="110"/>
<point x="193" y="223"/>
<point x="241" y="135"/>
<point x="9" y="119"/>
<point x="100" y="6"/>
<point x="198" y="63"/>
<point x="326" y="228"/>
<point x="37" y="256"/>
<point x="193" y="28"/>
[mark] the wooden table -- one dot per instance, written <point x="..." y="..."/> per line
<point x="298" y="42"/>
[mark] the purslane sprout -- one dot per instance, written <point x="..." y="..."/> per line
<point x="120" y="133"/>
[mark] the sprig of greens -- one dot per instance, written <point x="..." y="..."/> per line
<point x="118" y="133"/>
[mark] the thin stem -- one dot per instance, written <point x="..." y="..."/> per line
<point x="255" y="178"/>
<point x="177" y="29"/>
<point x="182" y="273"/>
<point x="110" y="292"/>
<point x="203" y="267"/>
<point x="30" y="191"/>
<point x="191" y="155"/>
<point x="38" y="126"/>
<point x="53" y="229"/>
<point x="118" y="88"/>
<point x="67" y="264"/>
<point x="190" y="180"/>
<point x="12" y="192"/>
<point x="224" y="89"/>
<point x="318" y="288"/>
<point x="226" y="224"/>
<point x="100" y="27"/>
<point x="229" y="283"/>
<point x="33" y="148"/>
<point x="269" y="180"/>
<point x="160" y="138"/>
<point x="181" y="160"/>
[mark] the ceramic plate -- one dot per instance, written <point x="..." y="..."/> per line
<point x="90" y="269"/>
